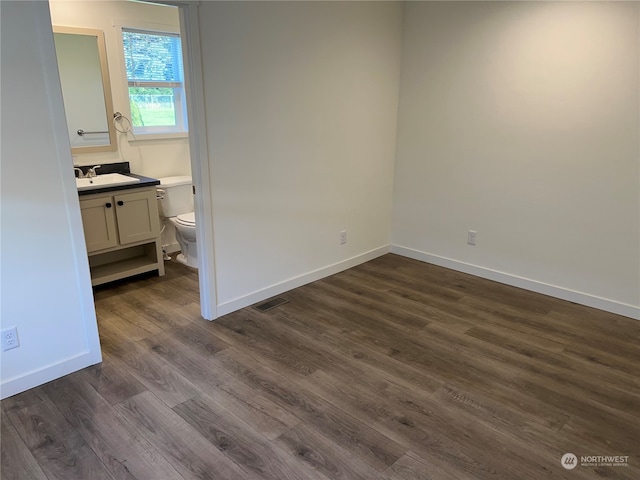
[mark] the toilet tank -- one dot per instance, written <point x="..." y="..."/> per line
<point x="176" y="195"/>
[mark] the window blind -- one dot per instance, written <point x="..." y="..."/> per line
<point x="152" y="57"/>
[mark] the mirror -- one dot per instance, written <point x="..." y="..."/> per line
<point x="84" y="76"/>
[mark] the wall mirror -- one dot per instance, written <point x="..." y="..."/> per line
<point x="84" y="76"/>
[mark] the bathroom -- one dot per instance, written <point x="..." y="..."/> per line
<point x="155" y="155"/>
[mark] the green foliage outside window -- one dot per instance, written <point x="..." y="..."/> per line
<point x="136" y="117"/>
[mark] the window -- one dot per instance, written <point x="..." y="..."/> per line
<point x="155" y="78"/>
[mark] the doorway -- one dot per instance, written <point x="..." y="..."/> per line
<point x="151" y="158"/>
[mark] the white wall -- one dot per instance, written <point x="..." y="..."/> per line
<point x="45" y="285"/>
<point x="301" y="102"/>
<point x="153" y="158"/>
<point x="521" y="120"/>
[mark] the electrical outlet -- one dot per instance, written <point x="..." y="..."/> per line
<point x="343" y="237"/>
<point x="10" y="339"/>
<point x="471" y="237"/>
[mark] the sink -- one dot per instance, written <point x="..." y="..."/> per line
<point x="106" y="180"/>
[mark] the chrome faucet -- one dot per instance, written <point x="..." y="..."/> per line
<point x="92" y="171"/>
<point x="80" y="172"/>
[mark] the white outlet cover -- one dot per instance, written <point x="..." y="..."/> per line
<point x="10" y="339"/>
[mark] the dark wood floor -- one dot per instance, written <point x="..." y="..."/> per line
<point x="394" y="369"/>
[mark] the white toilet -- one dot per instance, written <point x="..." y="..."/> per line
<point x="176" y="205"/>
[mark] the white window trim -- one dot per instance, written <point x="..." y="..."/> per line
<point x="154" y="28"/>
<point x="143" y="137"/>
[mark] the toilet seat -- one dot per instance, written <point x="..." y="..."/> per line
<point x="187" y="219"/>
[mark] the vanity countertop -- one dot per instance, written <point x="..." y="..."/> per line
<point x="123" y="168"/>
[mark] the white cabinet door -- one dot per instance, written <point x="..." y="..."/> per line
<point x="137" y="215"/>
<point x="98" y="222"/>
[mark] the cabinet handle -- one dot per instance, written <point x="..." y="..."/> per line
<point x="120" y="203"/>
<point x="108" y="204"/>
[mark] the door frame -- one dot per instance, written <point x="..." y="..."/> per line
<point x="199" y="153"/>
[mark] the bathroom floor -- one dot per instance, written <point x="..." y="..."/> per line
<point x="147" y="304"/>
<point x="391" y="370"/>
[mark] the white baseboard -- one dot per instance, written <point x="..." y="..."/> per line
<point x="171" y="248"/>
<point x="586" y="299"/>
<point x="290" y="284"/>
<point x="46" y="374"/>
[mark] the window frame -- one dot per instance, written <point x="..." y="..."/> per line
<point x="181" y="129"/>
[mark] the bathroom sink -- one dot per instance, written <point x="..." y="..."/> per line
<point x="106" y="180"/>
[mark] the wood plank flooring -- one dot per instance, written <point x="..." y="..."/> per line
<point x="392" y="370"/>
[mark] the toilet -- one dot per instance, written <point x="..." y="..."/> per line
<point x="176" y="206"/>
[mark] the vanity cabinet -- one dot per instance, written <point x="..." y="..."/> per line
<point x="122" y="233"/>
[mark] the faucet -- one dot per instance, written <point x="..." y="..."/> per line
<point x="92" y="171"/>
<point x="80" y="172"/>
